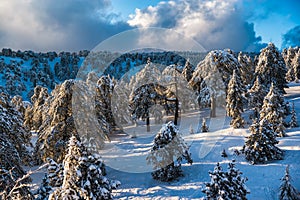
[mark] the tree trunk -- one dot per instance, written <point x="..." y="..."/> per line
<point x="148" y="123"/>
<point x="213" y="107"/>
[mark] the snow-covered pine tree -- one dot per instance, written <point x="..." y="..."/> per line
<point x="271" y="68"/>
<point x="257" y="94"/>
<point x="84" y="175"/>
<point x="287" y="191"/>
<point x="14" y="142"/>
<point x="188" y="71"/>
<point x="260" y="146"/>
<point x="215" y="71"/>
<point x="273" y="111"/>
<point x="214" y="189"/>
<point x="177" y="84"/>
<point x="33" y="115"/>
<point x="288" y="56"/>
<point x="293" y="122"/>
<point x="58" y="124"/>
<point x="236" y="183"/>
<point x="247" y="69"/>
<point x="18" y="103"/>
<point x="226" y="185"/>
<point x="167" y="153"/>
<point x="234" y="101"/>
<point x="104" y="91"/>
<point x="204" y="127"/>
<point x="224" y="154"/>
<point x="55" y="173"/>
<point x="296" y="66"/>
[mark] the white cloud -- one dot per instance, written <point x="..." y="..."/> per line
<point x="214" y="24"/>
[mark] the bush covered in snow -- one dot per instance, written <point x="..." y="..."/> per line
<point x="167" y="153"/>
<point x="226" y="185"/>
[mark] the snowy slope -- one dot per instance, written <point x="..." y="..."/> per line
<point x="264" y="179"/>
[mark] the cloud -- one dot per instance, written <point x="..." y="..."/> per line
<point x="291" y="38"/>
<point x="57" y="25"/>
<point x="215" y="24"/>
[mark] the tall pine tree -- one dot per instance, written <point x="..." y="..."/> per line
<point x="271" y="68"/>
<point x="273" y="110"/>
<point x="234" y="105"/>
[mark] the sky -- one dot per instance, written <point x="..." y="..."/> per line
<point x="73" y="25"/>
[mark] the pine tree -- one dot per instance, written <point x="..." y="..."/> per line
<point x="260" y="146"/>
<point x="273" y="111"/>
<point x="293" y="122"/>
<point x="257" y="94"/>
<point x="247" y="68"/>
<point x="296" y="66"/>
<point x="287" y="191"/>
<point x="188" y="71"/>
<point x="288" y="56"/>
<point x="104" y="91"/>
<point x="58" y="124"/>
<point x="214" y="188"/>
<point x="33" y="115"/>
<point x="55" y="173"/>
<point x="84" y="175"/>
<point x="204" y="127"/>
<point x="224" y="154"/>
<point x="14" y="142"/>
<point x="167" y="153"/>
<point x="215" y="71"/>
<point x="226" y="185"/>
<point x="234" y="105"/>
<point x="271" y="68"/>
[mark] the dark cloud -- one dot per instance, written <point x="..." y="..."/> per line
<point x="291" y="38"/>
<point x="57" y="25"/>
<point x="215" y="24"/>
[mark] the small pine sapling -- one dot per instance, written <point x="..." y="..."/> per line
<point x="287" y="191"/>
<point x="204" y="127"/>
<point x="224" y="154"/>
<point x="191" y="129"/>
<point x="293" y="122"/>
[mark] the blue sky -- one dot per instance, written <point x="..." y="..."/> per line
<point x="241" y="25"/>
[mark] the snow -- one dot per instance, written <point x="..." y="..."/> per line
<point x="263" y="179"/>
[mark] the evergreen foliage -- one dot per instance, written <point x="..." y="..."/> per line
<point x="294" y="122"/>
<point x="167" y="153"/>
<point x="287" y="191"/>
<point x="226" y="185"/>
<point x="224" y="154"/>
<point x="234" y="100"/>
<point x="273" y="110"/>
<point x="83" y="175"/>
<point x="271" y="68"/>
<point x="260" y="146"/>
<point x="204" y="127"/>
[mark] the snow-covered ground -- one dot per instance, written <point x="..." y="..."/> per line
<point x="125" y="159"/>
<point x="263" y="180"/>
